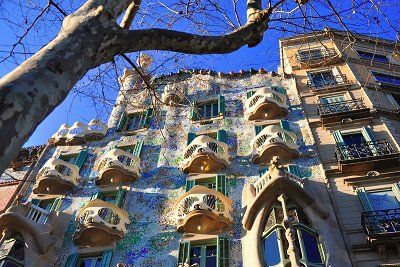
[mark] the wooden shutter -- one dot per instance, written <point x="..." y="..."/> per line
<point x="57" y="204"/>
<point x="147" y="117"/>
<point x="121" y="126"/>
<point x="221" y="105"/>
<point x="362" y="195"/>
<point x="295" y="169"/>
<point x="262" y="171"/>
<point x="223" y="252"/>
<point x="368" y="134"/>
<point x="249" y="93"/>
<point x="120" y="197"/>
<point x="184" y="253"/>
<point x="222" y="136"/>
<point x="193" y="112"/>
<point x="80" y="160"/>
<point x="138" y="149"/>
<point x="107" y="257"/>
<point x="190" y="184"/>
<point x="338" y="137"/>
<point x="72" y="260"/>
<point x="190" y="138"/>
<point x="221" y="184"/>
<point x="279" y="89"/>
<point x="258" y="128"/>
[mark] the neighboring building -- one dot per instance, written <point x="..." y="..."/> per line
<point x="185" y="183"/>
<point x="349" y="86"/>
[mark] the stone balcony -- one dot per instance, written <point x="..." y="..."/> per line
<point x="40" y="230"/>
<point x="202" y="210"/>
<point x="274" y="141"/>
<point x="79" y="133"/>
<point x="205" y="154"/>
<point x="317" y="58"/>
<point x="367" y="156"/>
<point x="118" y="167"/>
<point x="337" y="112"/>
<point x="56" y="177"/>
<point x="100" y="223"/>
<point x="266" y="104"/>
<point x="173" y="93"/>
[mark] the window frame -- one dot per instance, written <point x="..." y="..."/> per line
<point x="377" y="73"/>
<point x="372" y="56"/>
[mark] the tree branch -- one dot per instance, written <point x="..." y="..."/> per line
<point x="130" y="14"/>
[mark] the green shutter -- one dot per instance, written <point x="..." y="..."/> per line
<point x="338" y="137"/>
<point x="190" y="184"/>
<point x="120" y="197"/>
<point x="81" y="158"/>
<point x="223" y="252"/>
<point x="184" y="253"/>
<point x="249" y="93"/>
<point x="221" y="183"/>
<point x="258" y="128"/>
<point x="262" y="171"/>
<point x="368" y="134"/>
<point x="98" y="195"/>
<point x="190" y="138"/>
<point x="147" y="117"/>
<point x="285" y="125"/>
<point x="295" y="169"/>
<point x="222" y="136"/>
<point x="107" y="257"/>
<point x="35" y="201"/>
<point x="279" y="89"/>
<point x="221" y="105"/>
<point x="121" y="126"/>
<point x="138" y="149"/>
<point x="193" y="112"/>
<point x="362" y="195"/>
<point x="57" y="204"/>
<point x="72" y="260"/>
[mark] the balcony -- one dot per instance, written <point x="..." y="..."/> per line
<point x="56" y="177"/>
<point x="100" y="223"/>
<point x="79" y="133"/>
<point x="173" y="94"/>
<point x="339" y="111"/>
<point x="316" y="58"/>
<point x="382" y="227"/>
<point x="40" y="229"/>
<point x="205" y="154"/>
<point x="266" y="104"/>
<point x="202" y="210"/>
<point x="329" y="84"/>
<point x="373" y="155"/>
<point x="118" y="167"/>
<point x="274" y="141"/>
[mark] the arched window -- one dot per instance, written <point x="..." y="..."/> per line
<point x="275" y="243"/>
<point x="12" y="252"/>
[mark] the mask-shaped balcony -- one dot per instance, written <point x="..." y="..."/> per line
<point x="118" y="167"/>
<point x="205" y="154"/>
<point x="203" y="210"/>
<point x="79" y="133"/>
<point x="274" y="141"/>
<point x="100" y="223"/>
<point x="56" y="177"/>
<point x="173" y="94"/>
<point x="266" y="104"/>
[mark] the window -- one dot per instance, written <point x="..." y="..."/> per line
<point x="217" y="182"/>
<point x="135" y="121"/>
<point x="93" y="260"/>
<point x="306" y="55"/>
<point x="208" y="110"/>
<point x="387" y="79"/>
<point x="12" y="252"/>
<point x="134" y="149"/>
<point x="78" y="159"/>
<point x="394" y="99"/>
<point x="383" y="199"/>
<point x="372" y="56"/>
<point x="113" y="197"/>
<point x="306" y="239"/>
<point x="323" y="78"/>
<point x="205" y="253"/>
<point x="220" y="135"/>
<point x="332" y="99"/>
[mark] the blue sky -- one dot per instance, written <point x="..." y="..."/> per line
<point x="357" y="15"/>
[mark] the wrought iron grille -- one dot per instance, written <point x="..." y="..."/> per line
<point x="364" y="150"/>
<point x="340" y="107"/>
<point x="308" y="56"/>
<point x="381" y="222"/>
<point x="334" y="80"/>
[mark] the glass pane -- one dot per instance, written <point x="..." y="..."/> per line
<point x="211" y="261"/>
<point x="311" y="246"/>
<point x="383" y="200"/>
<point x="387" y="78"/>
<point x="215" y="109"/>
<point x="195" y="255"/>
<point x="211" y="250"/>
<point x="134" y="122"/>
<point x="208" y="111"/>
<point x="323" y="78"/>
<point x="98" y="262"/>
<point x="86" y="263"/>
<point x="271" y="250"/>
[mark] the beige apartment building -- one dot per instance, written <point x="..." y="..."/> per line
<point x="349" y="89"/>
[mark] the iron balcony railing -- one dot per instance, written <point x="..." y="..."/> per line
<point x="337" y="80"/>
<point x="381" y="222"/>
<point x="364" y="150"/>
<point x="340" y="107"/>
<point x="310" y="56"/>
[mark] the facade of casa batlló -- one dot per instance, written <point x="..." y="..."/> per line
<point x="227" y="172"/>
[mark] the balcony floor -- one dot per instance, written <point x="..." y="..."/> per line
<point x="96" y="234"/>
<point x="52" y="184"/>
<point x="267" y="111"/>
<point x="368" y="164"/>
<point x="204" y="163"/>
<point x="118" y="174"/>
<point x="204" y="222"/>
<point x="275" y="149"/>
